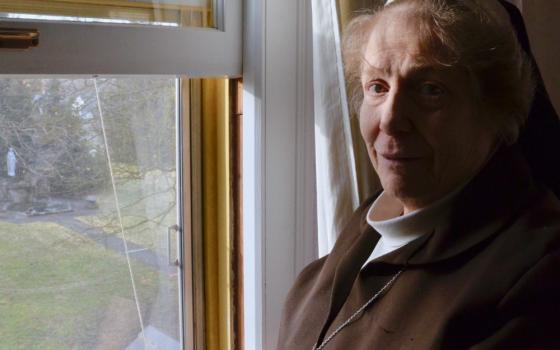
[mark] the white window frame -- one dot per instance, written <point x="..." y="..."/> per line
<point x="279" y="209"/>
<point x="87" y="48"/>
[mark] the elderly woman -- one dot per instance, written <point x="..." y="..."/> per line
<point x="461" y="249"/>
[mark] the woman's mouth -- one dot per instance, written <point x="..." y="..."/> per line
<point x="399" y="158"/>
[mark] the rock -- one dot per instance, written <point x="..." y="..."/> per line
<point x="91" y="202"/>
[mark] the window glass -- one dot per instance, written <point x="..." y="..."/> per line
<point x="87" y="208"/>
<point x="175" y="13"/>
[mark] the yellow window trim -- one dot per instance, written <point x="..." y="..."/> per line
<point x="216" y="209"/>
<point x="210" y="134"/>
<point x="114" y="9"/>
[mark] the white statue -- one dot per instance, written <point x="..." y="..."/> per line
<point x="11" y="162"/>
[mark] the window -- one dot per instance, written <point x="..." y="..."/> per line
<point x="101" y="163"/>
<point x="89" y="183"/>
<point x="278" y="185"/>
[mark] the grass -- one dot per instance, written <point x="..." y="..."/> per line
<point x="56" y="288"/>
<point x="60" y="290"/>
<point x="147" y="208"/>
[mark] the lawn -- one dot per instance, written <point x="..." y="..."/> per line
<point x="59" y="290"/>
<point x="147" y="207"/>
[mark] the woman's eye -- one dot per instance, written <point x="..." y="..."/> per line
<point x="377" y="88"/>
<point x="431" y="90"/>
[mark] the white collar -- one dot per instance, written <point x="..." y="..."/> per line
<point x="397" y="230"/>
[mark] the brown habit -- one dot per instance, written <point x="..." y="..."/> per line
<point x="489" y="280"/>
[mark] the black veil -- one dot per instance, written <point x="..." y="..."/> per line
<point x="540" y="138"/>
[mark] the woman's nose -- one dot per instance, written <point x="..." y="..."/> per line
<point x="395" y="116"/>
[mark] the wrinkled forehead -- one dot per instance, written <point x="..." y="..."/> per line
<point x="395" y="24"/>
<point x="395" y="37"/>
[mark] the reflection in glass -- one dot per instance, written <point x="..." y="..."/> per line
<point x="75" y="274"/>
<point x="175" y="13"/>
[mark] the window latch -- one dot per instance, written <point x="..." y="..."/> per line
<point x="18" y="38"/>
<point x="171" y="251"/>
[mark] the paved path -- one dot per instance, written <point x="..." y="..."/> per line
<point x="110" y="241"/>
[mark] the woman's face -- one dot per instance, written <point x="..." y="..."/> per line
<point x="423" y="130"/>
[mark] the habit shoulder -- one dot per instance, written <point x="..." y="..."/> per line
<point x="489" y="279"/>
